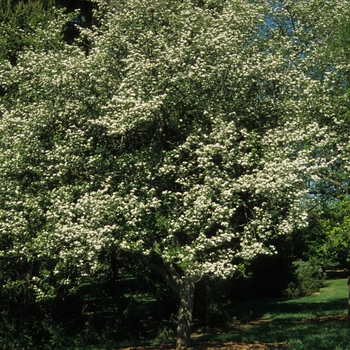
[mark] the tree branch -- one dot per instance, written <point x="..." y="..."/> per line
<point x="334" y="182"/>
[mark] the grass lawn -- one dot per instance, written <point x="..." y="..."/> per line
<point x="315" y="322"/>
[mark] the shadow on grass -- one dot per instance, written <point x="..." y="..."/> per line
<point x="288" y="309"/>
<point x="302" y="325"/>
<point x="328" y="336"/>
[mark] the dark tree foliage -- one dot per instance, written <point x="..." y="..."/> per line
<point x="22" y="17"/>
<point x="19" y="19"/>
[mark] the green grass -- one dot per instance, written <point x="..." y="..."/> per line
<point x="295" y="320"/>
<point x="332" y="299"/>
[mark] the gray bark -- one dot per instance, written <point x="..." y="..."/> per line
<point x="186" y="293"/>
<point x="349" y="297"/>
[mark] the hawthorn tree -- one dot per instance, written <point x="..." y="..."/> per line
<point x="182" y="137"/>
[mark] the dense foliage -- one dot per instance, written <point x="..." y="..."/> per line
<point x="184" y="136"/>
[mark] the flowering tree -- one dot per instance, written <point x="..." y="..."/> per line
<point x="180" y="133"/>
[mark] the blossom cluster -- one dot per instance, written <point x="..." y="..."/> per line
<point x="185" y="132"/>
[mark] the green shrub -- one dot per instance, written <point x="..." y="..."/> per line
<point x="307" y="278"/>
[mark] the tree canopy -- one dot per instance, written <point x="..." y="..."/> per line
<point x="181" y="133"/>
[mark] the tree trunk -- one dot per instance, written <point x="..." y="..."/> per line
<point x="349" y="297"/>
<point x="184" y="287"/>
<point x="186" y="293"/>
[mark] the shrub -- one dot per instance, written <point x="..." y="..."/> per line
<point x="307" y="278"/>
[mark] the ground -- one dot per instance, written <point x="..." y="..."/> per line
<point x="215" y="345"/>
<point x="197" y="331"/>
<point x="218" y="346"/>
<point x="257" y="345"/>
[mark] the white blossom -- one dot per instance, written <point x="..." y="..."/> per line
<point x="190" y="137"/>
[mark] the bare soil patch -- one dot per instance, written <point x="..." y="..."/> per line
<point x="325" y="319"/>
<point x="218" y="346"/>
